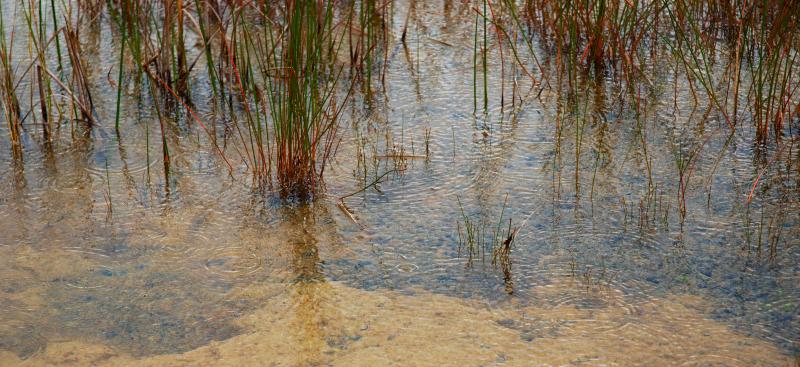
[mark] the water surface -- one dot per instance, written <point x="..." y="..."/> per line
<point x="105" y="261"/>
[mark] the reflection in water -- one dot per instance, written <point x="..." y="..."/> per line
<point x="305" y="254"/>
<point x="309" y="287"/>
<point x="308" y="326"/>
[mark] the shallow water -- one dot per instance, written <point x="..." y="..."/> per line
<point x="201" y="269"/>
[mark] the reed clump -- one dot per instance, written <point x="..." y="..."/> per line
<point x="741" y="56"/>
<point x="479" y="237"/>
<point x="302" y="101"/>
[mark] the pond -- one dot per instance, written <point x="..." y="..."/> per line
<point x="619" y="252"/>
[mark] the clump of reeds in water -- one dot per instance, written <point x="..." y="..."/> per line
<point x="302" y="97"/>
<point x="733" y="54"/>
<point x="367" y="40"/>
<point x="51" y="98"/>
<point x="273" y="66"/>
<point x="595" y="32"/>
<point x="477" y="238"/>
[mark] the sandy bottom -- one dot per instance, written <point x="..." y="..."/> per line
<point x="325" y="323"/>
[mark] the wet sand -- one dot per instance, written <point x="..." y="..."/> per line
<point x="326" y="323"/>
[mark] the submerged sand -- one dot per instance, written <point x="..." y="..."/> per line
<point x="330" y="324"/>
